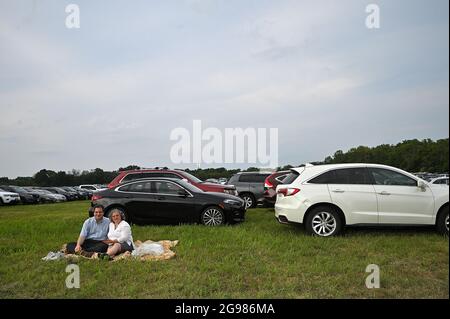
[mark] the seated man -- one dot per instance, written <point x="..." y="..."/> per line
<point x="94" y="232"/>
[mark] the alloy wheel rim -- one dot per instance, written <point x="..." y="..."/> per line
<point x="446" y="222"/>
<point x="248" y="202"/>
<point x="212" y="217"/>
<point x="324" y="224"/>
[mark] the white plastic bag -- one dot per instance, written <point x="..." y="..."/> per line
<point x="54" y="256"/>
<point x="153" y="249"/>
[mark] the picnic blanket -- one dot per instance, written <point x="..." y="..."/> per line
<point x="147" y="250"/>
<point x="150" y="250"/>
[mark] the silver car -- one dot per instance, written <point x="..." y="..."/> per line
<point x="250" y="187"/>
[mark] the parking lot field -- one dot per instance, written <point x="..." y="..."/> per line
<point x="256" y="259"/>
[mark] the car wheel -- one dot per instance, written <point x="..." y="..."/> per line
<point x="122" y="210"/>
<point x="323" y="221"/>
<point x="1" y="201"/>
<point x="249" y="200"/>
<point x="442" y="221"/>
<point x="212" y="216"/>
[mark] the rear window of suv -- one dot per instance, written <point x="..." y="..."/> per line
<point x="253" y="178"/>
<point x="291" y="177"/>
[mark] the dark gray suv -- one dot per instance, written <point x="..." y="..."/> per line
<point x="250" y="187"/>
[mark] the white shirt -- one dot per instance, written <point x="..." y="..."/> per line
<point x="122" y="233"/>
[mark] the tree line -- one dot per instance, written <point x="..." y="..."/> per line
<point x="410" y="155"/>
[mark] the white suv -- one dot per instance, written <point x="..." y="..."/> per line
<point x="325" y="198"/>
<point x="8" y="197"/>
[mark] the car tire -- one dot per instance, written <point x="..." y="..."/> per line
<point x="212" y="216"/>
<point x="323" y="221"/>
<point x="128" y="218"/>
<point x="1" y="201"/>
<point x="249" y="199"/>
<point x="442" y="221"/>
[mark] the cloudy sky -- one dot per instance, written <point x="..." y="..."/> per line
<point x="109" y="93"/>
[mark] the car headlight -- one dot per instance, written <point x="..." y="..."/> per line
<point x="229" y="191"/>
<point x="231" y="202"/>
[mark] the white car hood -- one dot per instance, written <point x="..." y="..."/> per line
<point x="8" y="193"/>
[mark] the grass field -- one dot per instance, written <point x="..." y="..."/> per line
<point x="256" y="259"/>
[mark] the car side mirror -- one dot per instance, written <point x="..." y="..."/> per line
<point x="422" y="185"/>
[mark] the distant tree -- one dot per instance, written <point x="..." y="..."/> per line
<point x="129" y="168"/>
<point x="45" y="178"/>
<point x="24" y="181"/>
<point x="284" y="168"/>
<point x="61" y="178"/>
<point x="74" y="172"/>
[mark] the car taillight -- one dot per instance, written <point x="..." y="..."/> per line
<point x="96" y="197"/>
<point x="267" y="184"/>
<point x="288" y="191"/>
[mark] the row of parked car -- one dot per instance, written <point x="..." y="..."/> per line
<point x="322" y="198"/>
<point x="439" y="179"/>
<point x="10" y="194"/>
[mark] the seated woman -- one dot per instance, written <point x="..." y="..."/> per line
<point x="119" y="234"/>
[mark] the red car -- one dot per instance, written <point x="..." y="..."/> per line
<point x="270" y="186"/>
<point x="126" y="176"/>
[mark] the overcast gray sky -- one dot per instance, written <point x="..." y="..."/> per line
<point x="108" y="94"/>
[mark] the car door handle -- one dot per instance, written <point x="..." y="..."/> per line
<point x="161" y="197"/>
<point x="384" y="193"/>
<point x="338" y="190"/>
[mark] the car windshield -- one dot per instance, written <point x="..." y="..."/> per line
<point x="191" y="177"/>
<point x="19" y="189"/>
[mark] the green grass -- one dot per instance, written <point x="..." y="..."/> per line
<point x="256" y="259"/>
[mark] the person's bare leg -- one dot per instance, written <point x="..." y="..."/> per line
<point x="114" y="249"/>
